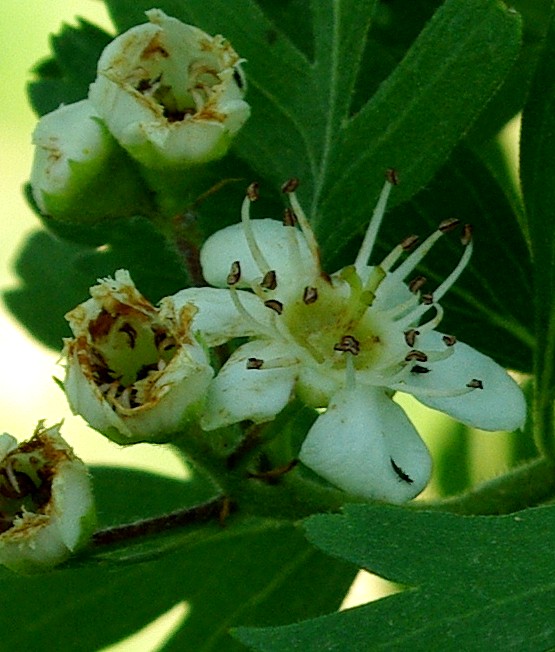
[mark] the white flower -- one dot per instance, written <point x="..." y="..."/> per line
<point x="170" y="94"/>
<point x="79" y="172"/>
<point x="46" y="502"/>
<point x="346" y="341"/>
<point x="134" y="372"/>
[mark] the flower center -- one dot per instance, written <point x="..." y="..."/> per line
<point x="127" y="349"/>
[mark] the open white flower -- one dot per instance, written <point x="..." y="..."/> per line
<point x="171" y="94"/>
<point x="134" y="372"/>
<point x="46" y="503"/>
<point x="346" y="341"/>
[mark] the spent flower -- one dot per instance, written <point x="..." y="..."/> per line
<point x="346" y="342"/>
<point x="171" y="94"/>
<point x="134" y="372"/>
<point x="46" y="503"/>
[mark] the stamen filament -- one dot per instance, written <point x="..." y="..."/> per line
<point x="255" y="250"/>
<point x="305" y="228"/>
<point x="431" y="392"/>
<point x="369" y="241"/>
<point x="417" y="255"/>
<point x="452" y="278"/>
<point x="244" y="312"/>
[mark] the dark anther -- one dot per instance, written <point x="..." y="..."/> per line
<point x="419" y="369"/>
<point x="410" y="336"/>
<point x="289" y="217"/>
<point x="417" y="283"/>
<point x="310" y="295"/>
<point x="449" y="225"/>
<point x="254" y="363"/>
<point x="427" y="299"/>
<point x="269" y="281"/>
<point x="290" y="185"/>
<point x="237" y="77"/>
<point x="234" y="275"/>
<point x="419" y="356"/>
<point x="274" y="305"/>
<point x="449" y="340"/>
<point x="399" y="471"/>
<point x="252" y="191"/>
<point x="475" y="384"/>
<point x="466" y="236"/>
<point x="409" y="242"/>
<point x="348" y="344"/>
<point x="392" y="176"/>
<point x="130" y="332"/>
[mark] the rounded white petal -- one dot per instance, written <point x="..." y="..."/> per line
<point x="365" y="445"/>
<point x="217" y="319"/>
<point x="284" y="248"/>
<point x="238" y="393"/>
<point x="500" y="405"/>
<point x="171" y="94"/>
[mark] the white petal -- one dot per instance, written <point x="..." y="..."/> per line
<point x="238" y="393"/>
<point x="500" y="405"/>
<point x="218" y="319"/>
<point x="360" y="441"/>
<point x="284" y="248"/>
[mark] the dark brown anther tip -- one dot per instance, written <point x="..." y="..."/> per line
<point x="448" y="225"/>
<point x="392" y="176"/>
<point x="252" y="191"/>
<point x="290" y="185"/>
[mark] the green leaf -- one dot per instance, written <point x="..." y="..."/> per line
<point x="538" y="183"/>
<point x="473" y="583"/>
<point x="56" y="275"/>
<point x="65" y="77"/>
<point x="420" y="112"/>
<point x="256" y="576"/>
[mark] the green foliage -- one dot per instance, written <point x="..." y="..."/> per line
<point x="340" y="91"/>
<point x="459" y="593"/>
<point x="257" y="575"/>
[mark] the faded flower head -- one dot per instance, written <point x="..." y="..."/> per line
<point x="134" y="372"/>
<point x="46" y="502"/>
<point x="170" y="94"/>
<point x="346" y="342"/>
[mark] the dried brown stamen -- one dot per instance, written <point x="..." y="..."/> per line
<point x="417" y="283"/>
<point x="419" y="356"/>
<point x="419" y="369"/>
<point x="310" y="295"/>
<point x="449" y="340"/>
<point x="410" y="336"/>
<point x="290" y="185"/>
<point x="274" y="305"/>
<point x="254" y="363"/>
<point x="252" y="191"/>
<point x="475" y="384"/>
<point x="448" y="225"/>
<point x="348" y="344"/>
<point x="269" y="281"/>
<point x="234" y="275"/>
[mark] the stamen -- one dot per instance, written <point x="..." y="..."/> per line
<point x="427" y="299"/>
<point x="467" y="234"/>
<point x="419" y="369"/>
<point x="369" y="240"/>
<point x="418" y="254"/>
<point x="399" y="471"/>
<point x="420" y="356"/>
<point x="348" y="344"/>
<point x="310" y="295"/>
<point x="392" y="176"/>
<point x="449" y="225"/>
<point x="255" y="250"/>
<point x="410" y="336"/>
<point x="289" y="187"/>
<point x="427" y="391"/>
<point x="449" y="340"/>
<point x="417" y="283"/>
<point x="475" y="384"/>
<point x="274" y="305"/>
<point x="234" y="294"/>
<point x="269" y="282"/>
<point x="391" y="258"/>
<point x="276" y="363"/>
<point x="234" y="275"/>
<point x="289" y="218"/>
<point x="453" y="277"/>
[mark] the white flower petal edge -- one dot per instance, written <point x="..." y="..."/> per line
<point x="46" y="502"/>
<point x="498" y="404"/>
<point x="134" y="372"/>
<point x="241" y="391"/>
<point x="365" y="445"/>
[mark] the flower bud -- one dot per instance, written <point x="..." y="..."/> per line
<point x="46" y="502"/>
<point x="169" y="93"/>
<point x="80" y="173"/>
<point x="134" y="372"/>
